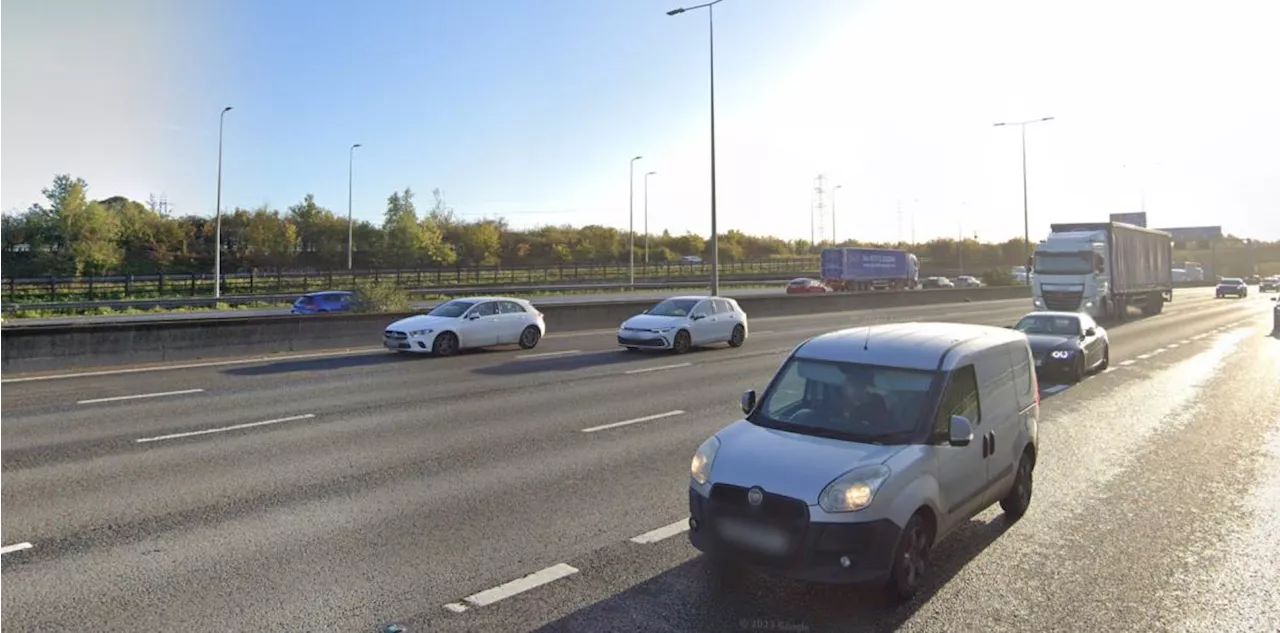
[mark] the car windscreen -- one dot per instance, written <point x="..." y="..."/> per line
<point x="848" y="401"/>
<point x="304" y="301"/>
<point x="451" y="309"/>
<point x="674" y="307"/>
<point x="1045" y="324"/>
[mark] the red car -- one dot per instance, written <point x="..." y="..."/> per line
<point x="804" y="286"/>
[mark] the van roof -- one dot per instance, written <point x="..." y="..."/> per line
<point x="916" y="345"/>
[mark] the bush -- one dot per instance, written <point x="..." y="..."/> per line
<point x="998" y="277"/>
<point x="381" y="296"/>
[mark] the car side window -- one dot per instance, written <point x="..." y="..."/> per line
<point x="511" y="307"/>
<point x="488" y="308"/>
<point x="703" y="308"/>
<point x="960" y="398"/>
<point x="723" y="307"/>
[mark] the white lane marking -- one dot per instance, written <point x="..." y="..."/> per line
<point x="517" y="586"/>
<point x="1185" y="341"/>
<point x="1144" y="356"/>
<point x="1109" y="370"/>
<point x="648" y="369"/>
<point x="1054" y="389"/>
<point x="647" y="418"/>
<point x="216" y="363"/>
<point x="1159" y="351"/>
<point x="762" y="332"/>
<point x="664" y="532"/>
<point x="234" y="427"/>
<point x="140" y="396"/>
<point x="1172" y="346"/>
<point x="1126" y="363"/>
<point x="547" y="354"/>
<point x="16" y="547"/>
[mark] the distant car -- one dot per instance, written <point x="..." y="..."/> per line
<point x="1275" y="316"/>
<point x="937" y="282"/>
<point x="804" y="285"/>
<point x="468" y="323"/>
<point x="682" y="323"/>
<point x="690" y="259"/>
<point x="1069" y="344"/>
<point x="1270" y="284"/>
<point x="968" y="281"/>
<point x="1233" y="286"/>
<point x="1254" y="279"/>
<point x="322" y="302"/>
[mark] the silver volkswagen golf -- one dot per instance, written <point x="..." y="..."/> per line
<point x="867" y="448"/>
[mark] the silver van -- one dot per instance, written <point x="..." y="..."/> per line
<point x="866" y="449"/>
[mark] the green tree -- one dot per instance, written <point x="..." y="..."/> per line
<point x="89" y="230"/>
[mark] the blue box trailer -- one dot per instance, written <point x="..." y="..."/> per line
<point x="848" y="268"/>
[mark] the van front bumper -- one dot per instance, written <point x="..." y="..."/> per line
<point x="813" y="551"/>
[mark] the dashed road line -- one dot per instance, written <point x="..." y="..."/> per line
<point x="1126" y="363"/>
<point x="664" y="532"/>
<point x="663" y="367"/>
<point x="647" y="418"/>
<point x="216" y="363"/>
<point x="16" y="547"/>
<point x="549" y="354"/>
<point x="140" y="396"/>
<point x="1144" y="356"/>
<point x="224" y="429"/>
<point x="1171" y="346"/>
<point x="512" y="588"/>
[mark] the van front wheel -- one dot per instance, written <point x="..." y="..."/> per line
<point x="911" y="560"/>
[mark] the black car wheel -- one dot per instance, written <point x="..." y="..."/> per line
<point x="682" y="343"/>
<point x="1015" y="503"/>
<point x="446" y="344"/>
<point x="738" y="337"/>
<point x="529" y="337"/>
<point x="1106" y="358"/>
<point x="911" y="560"/>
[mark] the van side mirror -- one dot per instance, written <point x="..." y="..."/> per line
<point x="961" y="433"/>
<point x="748" y="401"/>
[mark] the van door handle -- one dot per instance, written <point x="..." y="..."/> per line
<point x="991" y="450"/>
<point x="986" y="445"/>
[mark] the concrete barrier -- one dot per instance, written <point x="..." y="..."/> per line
<point x="43" y="348"/>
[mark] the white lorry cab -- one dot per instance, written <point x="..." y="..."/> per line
<point x="869" y="446"/>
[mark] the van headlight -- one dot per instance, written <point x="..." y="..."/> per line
<point x="700" y="467"/>
<point x="420" y="332"/>
<point x="853" y="490"/>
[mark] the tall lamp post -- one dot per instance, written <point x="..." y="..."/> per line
<point x="715" y="236"/>
<point x="351" y="159"/>
<point x="1026" y="217"/>
<point x="834" y="241"/>
<point x="631" y="211"/>
<point x="217" y="224"/>
<point x="646" y="217"/>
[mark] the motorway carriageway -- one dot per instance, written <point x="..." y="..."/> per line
<point x="654" y="296"/>
<point x="546" y="491"/>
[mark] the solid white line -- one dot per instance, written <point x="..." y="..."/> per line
<point x="546" y="354"/>
<point x="16" y="547"/>
<point x="1128" y="362"/>
<point x="519" y="585"/>
<point x="664" y="532"/>
<point x="234" y="427"/>
<point x="647" y="418"/>
<point x="216" y="363"/>
<point x="140" y="396"/>
<point x="648" y="369"/>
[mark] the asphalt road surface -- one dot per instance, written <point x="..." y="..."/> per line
<point x="417" y="305"/>
<point x="355" y="491"/>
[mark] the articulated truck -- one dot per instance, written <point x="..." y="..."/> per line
<point x="849" y="269"/>
<point x="1103" y="268"/>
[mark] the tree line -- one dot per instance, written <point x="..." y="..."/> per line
<point x="71" y="234"/>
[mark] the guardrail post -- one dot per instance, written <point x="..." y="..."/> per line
<point x="193" y="284"/>
<point x="305" y="282"/>
<point x="53" y="289"/>
<point x="160" y="285"/>
<point x="330" y="278"/>
<point x="91" y="288"/>
<point x="253" y="277"/>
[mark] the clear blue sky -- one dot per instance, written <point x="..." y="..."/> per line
<point x="530" y="109"/>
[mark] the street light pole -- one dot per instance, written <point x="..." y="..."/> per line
<point x="631" y="212"/>
<point x="1026" y="215"/>
<point x="834" y="241"/>
<point x="351" y="159"/>
<point x="715" y="236"/>
<point x="646" y="217"/>
<point x="217" y="225"/>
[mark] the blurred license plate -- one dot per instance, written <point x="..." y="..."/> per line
<point x="1039" y="362"/>
<point x="757" y="537"/>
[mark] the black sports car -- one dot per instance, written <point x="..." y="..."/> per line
<point x="1066" y="344"/>
<point x="1233" y="286"/>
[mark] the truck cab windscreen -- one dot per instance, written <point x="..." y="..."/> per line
<point x="1065" y="263"/>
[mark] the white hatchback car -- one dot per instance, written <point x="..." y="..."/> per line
<point x="467" y="323"/>
<point x="680" y="323"/>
